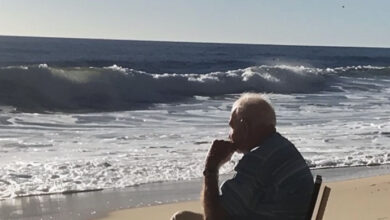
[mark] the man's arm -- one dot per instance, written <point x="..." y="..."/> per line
<point x="210" y="194"/>
<point x="220" y="153"/>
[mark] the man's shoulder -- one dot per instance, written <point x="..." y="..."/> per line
<point x="265" y="151"/>
<point x="273" y="143"/>
<point x="274" y="152"/>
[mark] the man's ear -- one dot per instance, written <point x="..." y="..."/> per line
<point x="245" y="128"/>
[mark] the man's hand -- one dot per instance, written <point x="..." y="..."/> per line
<point x="220" y="152"/>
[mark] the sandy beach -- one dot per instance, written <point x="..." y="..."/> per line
<point x="356" y="193"/>
<point x="363" y="198"/>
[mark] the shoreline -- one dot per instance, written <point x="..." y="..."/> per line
<point x="223" y="176"/>
<point x="98" y="204"/>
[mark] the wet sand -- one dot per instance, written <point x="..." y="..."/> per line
<point x="164" y="199"/>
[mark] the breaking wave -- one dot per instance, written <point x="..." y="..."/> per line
<point x="45" y="88"/>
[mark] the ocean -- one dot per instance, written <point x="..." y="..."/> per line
<point x="84" y="114"/>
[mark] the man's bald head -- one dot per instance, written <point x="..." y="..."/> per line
<point x="252" y="120"/>
<point x="254" y="109"/>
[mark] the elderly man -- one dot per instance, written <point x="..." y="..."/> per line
<point x="272" y="179"/>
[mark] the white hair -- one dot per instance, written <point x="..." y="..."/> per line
<point x="255" y="108"/>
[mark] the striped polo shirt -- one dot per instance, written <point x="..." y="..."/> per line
<point x="272" y="181"/>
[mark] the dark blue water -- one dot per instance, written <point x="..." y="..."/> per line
<point x="56" y="74"/>
<point x="173" y="57"/>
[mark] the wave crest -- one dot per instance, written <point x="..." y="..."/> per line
<point x="45" y="88"/>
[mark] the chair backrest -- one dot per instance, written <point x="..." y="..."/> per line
<point x="314" y="196"/>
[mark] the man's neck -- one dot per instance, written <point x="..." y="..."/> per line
<point x="264" y="135"/>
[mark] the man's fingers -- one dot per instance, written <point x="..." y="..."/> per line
<point x="221" y="149"/>
<point x="220" y="152"/>
<point x="219" y="142"/>
<point x="222" y="143"/>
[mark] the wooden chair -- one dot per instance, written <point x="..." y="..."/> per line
<point x="323" y="201"/>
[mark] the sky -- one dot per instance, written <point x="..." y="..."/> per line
<point x="289" y="22"/>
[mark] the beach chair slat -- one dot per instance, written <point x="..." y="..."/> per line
<point x="316" y="190"/>
<point x="324" y="201"/>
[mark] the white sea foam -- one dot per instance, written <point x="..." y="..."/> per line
<point x="51" y="153"/>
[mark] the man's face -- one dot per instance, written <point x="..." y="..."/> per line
<point x="237" y="132"/>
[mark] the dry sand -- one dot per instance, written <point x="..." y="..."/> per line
<point x="358" y="199"/>
<point x="361" y="199"/>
